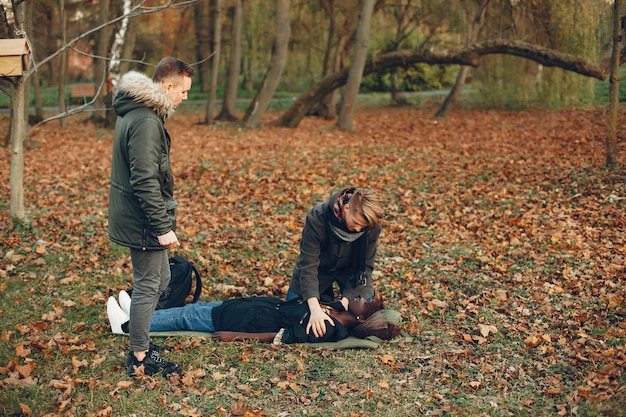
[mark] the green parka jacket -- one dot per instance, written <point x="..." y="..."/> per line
<point x="141" y="201"/>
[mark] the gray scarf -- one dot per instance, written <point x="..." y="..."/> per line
<point x="344" y="235"/>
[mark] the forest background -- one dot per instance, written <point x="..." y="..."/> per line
<point x="503" y="246"/>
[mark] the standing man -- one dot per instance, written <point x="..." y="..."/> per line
<point x="141" y="204"/>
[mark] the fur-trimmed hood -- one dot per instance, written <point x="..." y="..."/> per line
<point x="136" y="89"/>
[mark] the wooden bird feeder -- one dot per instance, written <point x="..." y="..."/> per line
<point x="13" y="57"/>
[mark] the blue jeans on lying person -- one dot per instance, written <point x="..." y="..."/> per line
<point x="194" y="316"/>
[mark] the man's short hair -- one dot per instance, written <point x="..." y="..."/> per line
<point x="171" y="67"/>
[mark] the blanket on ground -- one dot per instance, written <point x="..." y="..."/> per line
<point x="351" y="342"/>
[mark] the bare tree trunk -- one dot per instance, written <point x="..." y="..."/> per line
<point x="327" y="6"/>
<point x="203" y="41"/>
<point x="334" y="62"/>
<point x="98" y="117"/>
<point x="612" y="160"/>
<point x="475" y="22"/>
<point x="63" y="70"/>
<point x="330" y="101"/>
<point x="18" y="127"/>
<point x="18" y="135"/>
<point x="259" y="104"/>
<point x="16" y="18"/>
<point x="39" y="115"/>
<point x="454" y="93"/>
<point x="406" y="15"/>
<point x="218" y="5"/>
<point x="234" y="66"/>
<point x="129" y="45"/>
<point x="397" y="99"/>
<point x="24" y="17"/>
<point x="28" y="27"/>
<point x="250" y="33"/>
<point x="346" y="114"/>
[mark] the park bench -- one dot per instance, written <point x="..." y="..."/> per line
<point x="83" y="91"/>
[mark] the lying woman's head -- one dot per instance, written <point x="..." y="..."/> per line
<point x="375" y="320"/>
<point x="363" y="309"/>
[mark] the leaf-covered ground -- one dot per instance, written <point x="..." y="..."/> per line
<point x="503" y="248"/>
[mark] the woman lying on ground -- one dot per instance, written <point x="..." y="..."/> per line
<point x="265" y="319"/>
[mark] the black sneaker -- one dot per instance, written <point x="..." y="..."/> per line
<point x="158" y="348"/>
<point x="152" y="364"/>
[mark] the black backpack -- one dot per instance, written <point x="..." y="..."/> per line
<point x="179" y="288"/>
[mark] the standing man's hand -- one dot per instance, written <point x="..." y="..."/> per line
<point x="169" y="240"/>
<point x="317" y="319"/>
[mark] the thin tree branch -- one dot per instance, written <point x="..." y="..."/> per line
<point x="137" y="10"/>
<point x="134" y="61"/>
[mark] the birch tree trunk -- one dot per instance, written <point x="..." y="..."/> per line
<point x="118" y="44"/>
<point x="234" y="65"/>
<point x="613" y="105"/>
<point x="259" y="104"/>
<point x="346" y="113"/>
<point x="215" y="60"/>
<point x="117" y="49"/>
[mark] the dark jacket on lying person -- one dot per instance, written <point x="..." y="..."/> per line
<point x="267" y="315"/>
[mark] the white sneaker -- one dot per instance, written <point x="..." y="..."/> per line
<point x="124" y="300"/>
<point x="117" y="317"/>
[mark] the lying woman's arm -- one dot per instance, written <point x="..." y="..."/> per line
<point x="226" y="336"/>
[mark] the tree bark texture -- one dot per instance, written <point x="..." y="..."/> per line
<point x="63" y="69"/>
<point x="234" y="65"/>
<point x="328" y="106"/>
<point x="259" y="104"/>
<point x="18" y="128"/>
<point x="355" y="74"/>
<point x="18" y="135"/>
<point x="203" y="25"/>
<point x="98" y="117"/>
<point x="216" y="19"/>
<point x="465" y="56"/>
<point x="613" y="104"/>
<point x="130" y="39"/>
<point x="475" y="22"/>
<point x="28" y="28"/>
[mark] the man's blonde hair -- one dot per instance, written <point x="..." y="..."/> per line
<point x="368" y="204"/>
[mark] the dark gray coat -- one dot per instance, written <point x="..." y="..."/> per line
<point x="141" y="201"/>
<point x="325" y="259"/>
